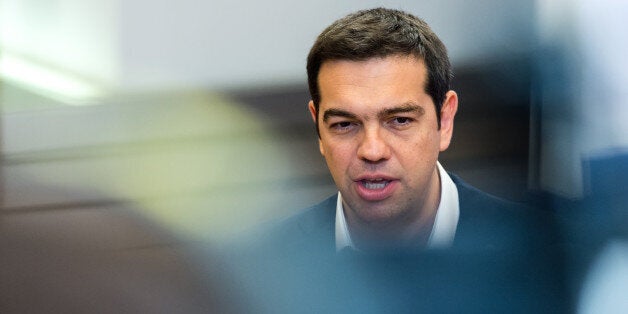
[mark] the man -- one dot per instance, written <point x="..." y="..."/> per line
<point x="383" y="109"/>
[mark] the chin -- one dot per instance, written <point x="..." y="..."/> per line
<point x="378" y="217"/>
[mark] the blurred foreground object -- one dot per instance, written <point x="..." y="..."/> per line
<point x="584" y="142"/>
<point x="98" y="260"/>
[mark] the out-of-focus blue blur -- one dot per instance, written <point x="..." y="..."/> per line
<point x="129" y="125"/>
<point x="582" y="142"/>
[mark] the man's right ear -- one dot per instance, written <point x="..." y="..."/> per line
<point x="312" y="109"/>
<point x="313" y="113"/>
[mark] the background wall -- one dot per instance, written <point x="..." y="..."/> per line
<point x="215" y="44"/>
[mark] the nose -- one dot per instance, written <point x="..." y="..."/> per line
<point x="373" y="146"/>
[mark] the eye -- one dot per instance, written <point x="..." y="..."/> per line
<point x="342" y="126"/>
<point x="400" y="121"/>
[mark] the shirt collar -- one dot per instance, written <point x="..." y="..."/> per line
<point x="445" y="223"/>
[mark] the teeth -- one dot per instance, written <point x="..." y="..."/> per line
<point x="375" y="185"/>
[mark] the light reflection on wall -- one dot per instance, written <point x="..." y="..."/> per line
<point x="197" y="162"/>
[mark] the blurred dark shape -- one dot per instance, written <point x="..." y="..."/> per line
<point x="607" y="197"/>
<point x="587" y="225"/>
<point x="439" y="281"/>
<point x="490" y="145"/>
<point x="98" y="258"/>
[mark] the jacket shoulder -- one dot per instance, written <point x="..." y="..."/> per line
<point x="308" y="227"/>
<point x="487" y="221"/>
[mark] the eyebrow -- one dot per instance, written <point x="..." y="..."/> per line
<point x="337" y="113"/>
<point x="407" y="107"/>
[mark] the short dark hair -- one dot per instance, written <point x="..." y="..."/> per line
<point x="380" y="33"/>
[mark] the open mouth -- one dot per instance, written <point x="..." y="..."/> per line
<point x="375" y="188"/>
<point x="376" y="184"/>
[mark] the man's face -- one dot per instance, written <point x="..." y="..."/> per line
<point x="380" y="138"/>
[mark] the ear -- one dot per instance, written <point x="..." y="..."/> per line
<point x="447" y="114"/>
<point x="314" y="115"/>
<point x="312" y="109"/>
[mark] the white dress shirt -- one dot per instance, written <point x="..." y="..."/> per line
<point x="445" y="224"/>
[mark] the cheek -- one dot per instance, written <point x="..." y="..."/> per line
<point x="337" y="156"/>
<point x="423" y="150"/>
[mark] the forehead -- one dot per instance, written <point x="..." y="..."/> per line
<point x="376" y="66"/>
<point x="373" y="83"/>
